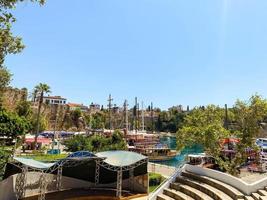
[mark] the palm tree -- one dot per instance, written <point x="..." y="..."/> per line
<point x="40" y="90"/>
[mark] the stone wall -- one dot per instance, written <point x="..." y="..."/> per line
<point x="12" y="96"/>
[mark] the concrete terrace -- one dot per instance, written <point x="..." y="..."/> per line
<point x="189" y="185"/>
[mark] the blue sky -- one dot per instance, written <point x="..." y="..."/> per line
<point x="189" y="52"/>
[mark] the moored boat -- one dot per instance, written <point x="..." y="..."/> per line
<point x="150" y="146"/>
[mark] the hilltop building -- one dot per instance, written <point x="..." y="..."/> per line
<point x="52" y="100"/>
<point x="55" y="100"/>
<point x="94" y="107"/>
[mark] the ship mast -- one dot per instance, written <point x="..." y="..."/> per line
<point x="135" y="115"/>
<point x="109" y="110"/>
<point x="143" y="117"/>
<point x="152" y="117"/>
<point x="126" y="116"/>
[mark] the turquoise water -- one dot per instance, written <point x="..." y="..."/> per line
<point x="171" y="141"/>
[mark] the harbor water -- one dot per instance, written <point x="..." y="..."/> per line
<point x="175" y="162"/>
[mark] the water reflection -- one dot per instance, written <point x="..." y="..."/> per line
<point x="171" y="141"/>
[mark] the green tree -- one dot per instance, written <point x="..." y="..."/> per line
<point x="9" y="44"/>
<point x="40" y="89"/>
<point x="23" y="108"/>
<point x="76" y="116"/>
<point x="11" y="125"/>
<point x="98" y="120"/>
<point x="96" y="143"/>
<point x="206" y="127"/>
<point x="4" y="156"/>
<point x="248" y="116"/>
<point x="5" y="77"/>
<point x="78" y="143"/>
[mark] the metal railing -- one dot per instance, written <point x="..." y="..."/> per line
<point x="165" y="184"/>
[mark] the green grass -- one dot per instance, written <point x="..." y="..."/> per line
<point x="154" y="176"/>
<point x="152" y="188"/>
<point x="46" y="157"/>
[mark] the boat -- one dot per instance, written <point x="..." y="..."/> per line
<point x="261" y="141"/>
<point x="150" y="146"/>
<point x="262" y="144"/>
<point x="200" y="159"/>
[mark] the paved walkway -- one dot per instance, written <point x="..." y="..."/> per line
<point x="164" y="170"/>
<point x="250" y="177"/>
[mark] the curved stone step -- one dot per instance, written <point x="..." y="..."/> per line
<point x="164" y="197"/>
<point x="228" y="189"/>
<point x="190" y="191"/>
<point x="176" y="194"/>
<point x="209" y="190"/>
<point x="263" y="197"/>
<point x="256" y="196"/>
<point x="262" y="192"/>
<point x="249" y="198"/>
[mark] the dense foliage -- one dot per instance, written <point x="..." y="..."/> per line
<point x="11" y="125"/>
<point x="206" y="126"/>
<point x="154" y="181"/>
<point x="4" y="155"/>
<point x="169" y="121"/>
<point x="96" y="143"/>
<point x="9" y="44"/>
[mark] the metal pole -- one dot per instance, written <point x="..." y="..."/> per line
<point x="126" y="115"/>
<point x="152" y="117"/>
<point x="21" y="182"/>
<point x="143" y="117"/>
<point x="135" y="115"/>
<point x="59" y="177"/>
<point x="119" y="183"/>
<point x="109" y="110"/>
<point x="97" y="172"/>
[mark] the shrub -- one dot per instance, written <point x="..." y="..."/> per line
<point x="155" y="179"/>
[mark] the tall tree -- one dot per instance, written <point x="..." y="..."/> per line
<point x="206" y="127"/>
<point x="248" y="117"/>
<point x="40" y="89"/>
<point x="9" y="44"/>
<point x="5" y="77"/>
<point x="12" y="125"/>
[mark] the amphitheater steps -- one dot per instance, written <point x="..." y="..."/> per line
<point x="190" y="186"/>
<point x="262" y="192"/>
<point x="229" y="190"/>
<point x="164" y="197"/>
<point x="249" y="198"/>
<point x="176" y="194"/>
<point x="257" y="196"/>
<point x="190" y="191"/>
<point x="205" y="188"/>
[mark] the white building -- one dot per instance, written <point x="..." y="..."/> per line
<point x="54" y="100"/>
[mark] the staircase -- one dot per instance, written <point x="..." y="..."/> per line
<point x="189" y="186"/>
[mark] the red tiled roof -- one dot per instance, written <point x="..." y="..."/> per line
<point x="39" y="140"/>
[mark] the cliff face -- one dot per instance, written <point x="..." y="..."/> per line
<point x="12" y="96"/>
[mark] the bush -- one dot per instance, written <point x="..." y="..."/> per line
<point x="155" y="179"/>
<point x="96" y="143"/>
